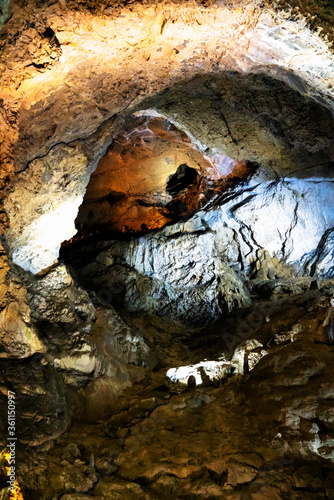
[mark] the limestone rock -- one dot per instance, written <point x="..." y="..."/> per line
<point x="112" y="338"/>
<point x="149" y="153"/>
<point x="267" y="267"/>
<point x="116" y="489"/>
<point x="181" y="75"/>
<point x="240" y="473"/>
<point x="181" y="278"/>
<point x="84" y="363"/>
<point x="41" y="410"/>
<point x="18" y="336"/>
<point x="43" y="222"/>
<point x="256" y="438"/>
<point x="17" y="339"/>
<point x="241" y="80"/>
<point x="78" y="496"/>
<point x="195" y="270"/>
<point x="71" y="452"/>
<point x="56" y="299"/>
<point x="5" y="7"/>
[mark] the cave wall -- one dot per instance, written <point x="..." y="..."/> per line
<point x="132" y="188"/>
<point x="70" y="81"/>
<point x="239" y="80"/>
<point x="195" y="270"/>
<point x="287" y="133"/>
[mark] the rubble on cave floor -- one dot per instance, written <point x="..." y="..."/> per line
<point x="264" y="432"/>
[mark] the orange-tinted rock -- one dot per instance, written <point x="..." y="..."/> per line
<point x="128" y="192"/>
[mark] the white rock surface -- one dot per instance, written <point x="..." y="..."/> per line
<point x="195" y="270"/>
<point x="216" y="370"/>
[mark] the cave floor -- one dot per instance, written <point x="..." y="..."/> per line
<point x="263" y="434"/>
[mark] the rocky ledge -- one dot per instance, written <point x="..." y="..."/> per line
<point x="263" y="431"/>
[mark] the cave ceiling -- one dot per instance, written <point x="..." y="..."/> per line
<point x="238" y="79"/>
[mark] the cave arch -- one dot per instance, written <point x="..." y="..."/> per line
<point x="152" y="174"/>
<point x="238" y="79"/>
<point x="283" y="130"/>
<point x="274" y="225"/>
<point x="254" y="117"/>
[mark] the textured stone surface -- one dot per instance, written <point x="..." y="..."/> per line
<point x="196" y="270"/>
<point x="265" y="434"/>
<point x="59" y="116"/>
<point x="18" y="337"/>
<point x="241" y="80"/>
<point x="63" y="357"/>
<point x="44" y="221"/>
<point x="128" y="191"/>
<point x="93" y="348"/>
<point x="181" y="278"/>
<point x="55" y="298"/>
<point x="4" y="11"/>
<point x="42" y="412"/>
<point x="39" y="224"/>
<point x="317" y="14"/>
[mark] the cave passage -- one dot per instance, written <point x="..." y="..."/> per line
<point x="151" y="175"/>
<point x="167" y="263"/>
<point x="183" y="176"/>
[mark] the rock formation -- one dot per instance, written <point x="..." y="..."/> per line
<point x="167" y="257"/>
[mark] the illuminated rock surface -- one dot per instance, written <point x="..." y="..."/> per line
<point x="151" y="175"/>
<point x="67" y="91"/>
<point x="167" y="262"/>
<point x="261" y="431"/>
<point x="196" y="270"/>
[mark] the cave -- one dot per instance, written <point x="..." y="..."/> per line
<point x="141" y="184"/>
<point x="167" y="249"/>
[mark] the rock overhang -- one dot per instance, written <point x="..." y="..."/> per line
<point x="261" y="91"/>
<point x="113" y="61"/>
